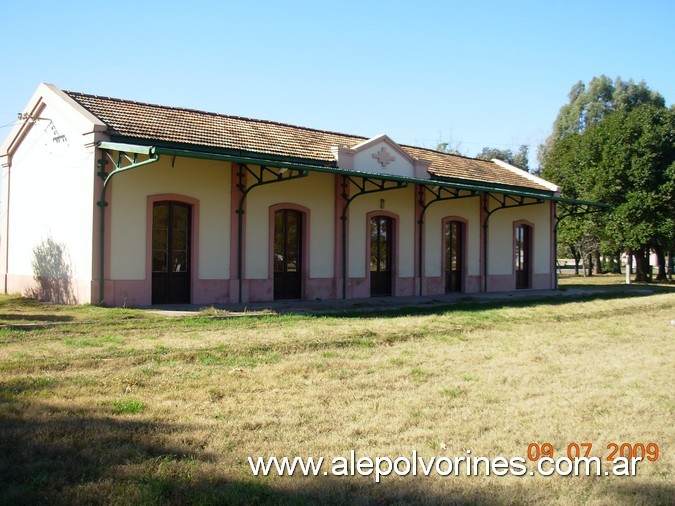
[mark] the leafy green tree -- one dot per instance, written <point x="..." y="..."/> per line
<point x="589" y="105"/>
<point x="452" y="148"/>
<point x="627" y="159"/>
<point x="518" y="159"/>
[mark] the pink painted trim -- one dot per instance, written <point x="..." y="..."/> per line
<point x="259" y="290"/>
<point x="395" y="280"/>
<point x="320" y="289"/>
<point x="465" y="257"/>
<point x="194" y="238"/>
<point x="305" y="214"/>
<point x="501" y="282"/>
<point x="211" y="291"/>
<point x="132" y="292"/>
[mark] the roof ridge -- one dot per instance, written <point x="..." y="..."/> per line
<point x="73" y="94"/>
<point x="472" y="158"/>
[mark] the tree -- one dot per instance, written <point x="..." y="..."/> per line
<point x="449" y="147"/>
<point x="626" y="159"/>
<point x="518" y="159"/>
<point x="589" y="105"/>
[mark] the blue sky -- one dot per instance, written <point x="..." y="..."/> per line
<point x="482" y="73"/>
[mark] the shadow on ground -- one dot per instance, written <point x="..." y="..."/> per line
<point x="75" y="455"/>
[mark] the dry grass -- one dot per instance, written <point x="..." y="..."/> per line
<point x="119" y="406"/>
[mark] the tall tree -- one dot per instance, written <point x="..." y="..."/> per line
<point x="518" y="159"/>
<point x="589" y="105"/>
<point x="627" y="159"/>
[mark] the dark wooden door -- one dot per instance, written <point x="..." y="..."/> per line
<point x="454" y="257"/>
<point x="287" y="254"/>
<point x="381" y="237"/>
<point x="523" y="254"/>
<point x="171" y="223"/>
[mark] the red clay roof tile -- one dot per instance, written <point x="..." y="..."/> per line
<point x="186" y="126"/>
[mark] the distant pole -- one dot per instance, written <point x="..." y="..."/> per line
<point x="628" y="267"/>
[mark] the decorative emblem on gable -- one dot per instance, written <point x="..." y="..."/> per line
<point x="383" y="157"/>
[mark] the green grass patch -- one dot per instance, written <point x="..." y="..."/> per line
<point x="128" y="407"/>
<point x="83" y="342"/>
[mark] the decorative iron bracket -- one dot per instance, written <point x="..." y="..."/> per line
<point x="127" y="159"/>
<point x="264" y="176"/>
<point x="439" y="194"/>
<point x="365" y="186"/>
<point x="505" y="202"/>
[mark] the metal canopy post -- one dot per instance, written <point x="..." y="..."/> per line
<point x="122" y="163"/>
<point x="264" y="176"/>
<point x="439" y="193"/>
<point x="365" y="186"/>
<point x="505" y="202"/>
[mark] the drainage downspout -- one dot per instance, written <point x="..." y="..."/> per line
<point x="5" y="239"/>
<point x="150" y="151"/>
<point x="485" y="240"/>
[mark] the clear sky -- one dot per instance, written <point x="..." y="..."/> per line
<point x="473" y="73"/>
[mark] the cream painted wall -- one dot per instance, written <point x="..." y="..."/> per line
<point x="469" y="209"/>
<point x="49" y="168"/>
<point x="400" y="202"/>
<point x="204" y="180"/>
<point x="500" y="245"/>
<point x="400" y="166"/>
<point x="315" y="192"/>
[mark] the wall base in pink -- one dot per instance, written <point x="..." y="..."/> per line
<point x="542" y="282"/>
<point x="131" y="293"/>
<point x="501" y="282"/>
<point x="211" y="291"/>
<point x="436" y="285"/>
<point x="320" y="288"/>
<point x="507" y="282"/>
<point x="260" y="290"/>
<point x="404" y="287"/>
<point x="64" y="291"/>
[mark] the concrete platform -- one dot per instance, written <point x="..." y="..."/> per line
<point x="375" y="304"/>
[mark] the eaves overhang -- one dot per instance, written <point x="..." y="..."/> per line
<point x="245" y="157"/>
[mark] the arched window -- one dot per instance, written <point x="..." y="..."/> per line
<point x="381" y="238"/>
<point x="287" y="261"/>
<point x="171" y="255"/>
<point x="454" y="255"/>
<point x="523" y="256"/>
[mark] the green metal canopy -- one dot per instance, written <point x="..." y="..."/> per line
<point x="151" y="154"/>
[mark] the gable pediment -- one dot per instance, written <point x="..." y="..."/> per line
<point x="381" y="155"/>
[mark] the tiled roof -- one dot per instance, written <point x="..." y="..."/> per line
<point x="185" y="126"/>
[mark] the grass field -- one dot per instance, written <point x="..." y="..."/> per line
<point x="108" y="406"/>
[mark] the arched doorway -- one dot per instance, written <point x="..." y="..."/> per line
<point x="523" y="256"/>
<point x="171" y="235"/>
<point x="381" y="238"/>
<point x="287" y="254"/>
<point x="454" y="255"/>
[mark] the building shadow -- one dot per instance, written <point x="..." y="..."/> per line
<point x="55" y="455"/>
<point x="52" y="273"/>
